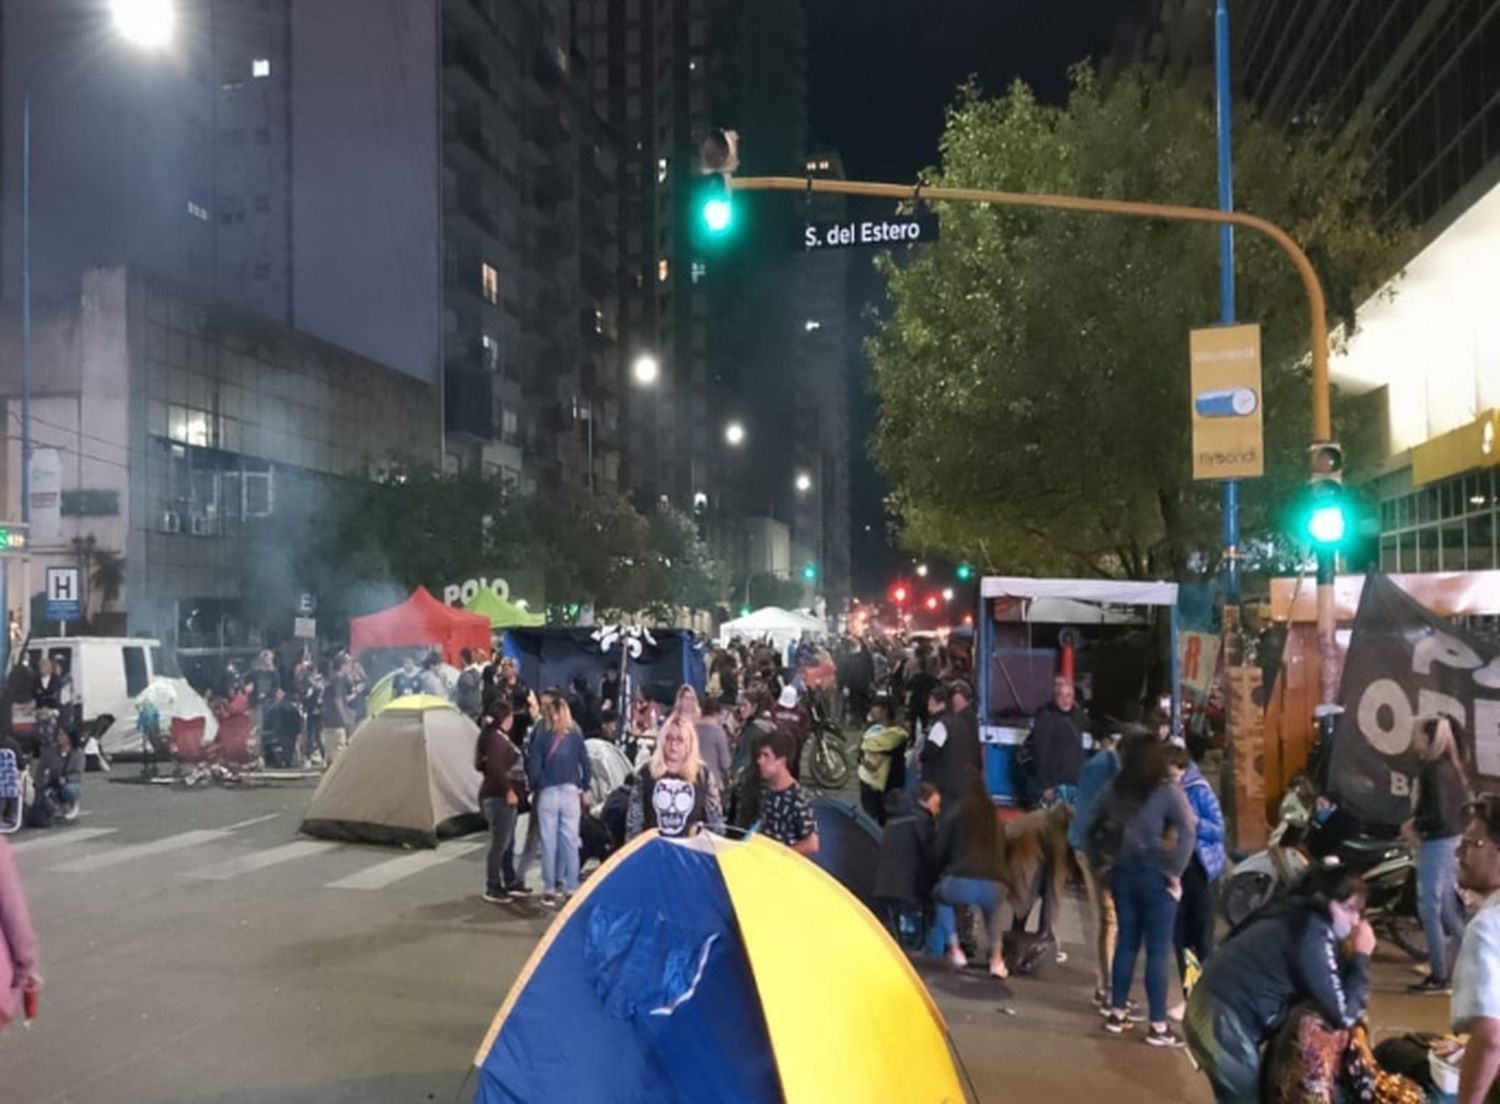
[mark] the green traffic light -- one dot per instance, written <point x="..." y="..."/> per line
<point x="810" y="572"/>
<point x="1327" y="525"/>
<point x="965" y="572"/>
<point x="718" y="215"/>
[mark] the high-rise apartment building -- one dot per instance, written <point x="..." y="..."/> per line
<point x="1422" y="76"/>
<point x="422" y="182"/>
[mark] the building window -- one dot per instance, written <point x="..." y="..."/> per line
<point x="510" y="427"/>
<point x="661" y="170"/>
<point x="198" y="211"/>
<point x="490" y="349"/>
<point x="695" y="63"/>
<point x="598" y="320"/>
<point x="489" y="282"/>
<point x="698" y="271"/>
<point x="663" y="270"/>
<point x="260" y="67"/>
<point x="811" y="324"/>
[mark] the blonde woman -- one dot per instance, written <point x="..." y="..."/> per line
<point x="686" y="705"/>
<point x="557" y="766"/>
<point x="1437" y="822"/>
<point x="675" y="792"/>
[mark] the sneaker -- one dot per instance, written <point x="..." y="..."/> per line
<point x="547" y="900"/>
<point x="560" y="900"/>
<point x="1162" y="1036"/>
<point x="71" y="812"/>
<point x="520" y="889"/>
<point x="1116" y="1022"/>
<point x="1429" y="986"/>
<point x="1101" y="1002"/>
<point x="1132" y="1011"/>
<point x="495" y="898"/>
<point x="1177" y="1012"/>
<point x="998" y="969"/>
<point x="957" y="957"/>
<point x="1062" y="957"/>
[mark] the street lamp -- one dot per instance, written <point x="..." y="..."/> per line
<point x="146" y="23"/>
<point x="734" y="434"/>
<point x="922" y="571"/>
<point x="947" y="594"/>
<point x="803" y="483"/>
<point x="646" y="370"/>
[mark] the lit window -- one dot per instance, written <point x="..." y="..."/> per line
<point x="260" y="67"/>
<point x="812" y="324"/>
<point x="489" y="282"/>
<point x="663" y="270"/>
<point x="198" y="211"/>
<point x="695" y="63"/>
<point x="812" y="166"/>
<point x="822" y="166"/>
<point x="598" y="321"/>
<point x="490" y="347"/>
<point x="661" y="169"/>
<point x="699" y="270"/>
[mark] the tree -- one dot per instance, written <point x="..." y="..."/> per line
<point x="1032" y="368"/>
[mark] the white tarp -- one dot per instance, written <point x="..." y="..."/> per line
<point x="1068" y="611"/>
<point x="609" y="767"/>
<point x="781" y="626"/>
<point x="173" y="697"/>
<point x="1111" y="591"/>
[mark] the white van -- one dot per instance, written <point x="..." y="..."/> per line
<point x="107" y="673"/>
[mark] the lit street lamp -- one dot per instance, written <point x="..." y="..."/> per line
<point x="803" y="483"/>
<point x="947" y="594"/>
<point x="922" y="570"/>
<point x="145" y="23"/>
<point x="734" y="434"/>
<point x="646" y="370"/>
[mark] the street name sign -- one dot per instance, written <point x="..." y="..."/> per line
<point x="64" y="594"/>
<point x="855" y="233"/>
<point x="1227" y="411"/>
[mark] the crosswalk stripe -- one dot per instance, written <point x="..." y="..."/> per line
<point x="62" y="836"/>
<point x="388" y="873"/>
<point x="253" y="820"/>
<point x="116" y="856"/>
<point x="259" y="860"/>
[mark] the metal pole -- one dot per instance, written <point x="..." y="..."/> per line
<point x="26" y="352"/>
<point x="1226" y="288"/>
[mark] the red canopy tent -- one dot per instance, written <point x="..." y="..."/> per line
<point x="421" y="621"/>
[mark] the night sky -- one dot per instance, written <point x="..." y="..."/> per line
<point x="879" y="75"/>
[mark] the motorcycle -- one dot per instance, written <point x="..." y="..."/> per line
<point x="1387" y="865"/>
<point x="827" y="752"/>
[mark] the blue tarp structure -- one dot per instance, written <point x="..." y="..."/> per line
<point x="848" y="845"/>
<point x="661" y="659"/>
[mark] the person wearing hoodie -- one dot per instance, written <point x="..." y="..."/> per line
<point x="907" y="868"/>
<point x="881" y="744"/>
<point x="1195" y="912"/>
<point x="1094" y="780"/>
<point x="1313" y="945"/>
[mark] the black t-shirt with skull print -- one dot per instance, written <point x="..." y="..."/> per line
<point x="673" y="805"/>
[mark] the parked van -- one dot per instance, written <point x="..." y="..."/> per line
<point x="107" y="673"/>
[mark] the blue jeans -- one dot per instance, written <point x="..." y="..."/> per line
<point x="977" y="893"/>
<point x="498" y="872"/>
<point x="1147" y="914"/>
<point x="1437" y="901"/>
<point x="557" y="813"/>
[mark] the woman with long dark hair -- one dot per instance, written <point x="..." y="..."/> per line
<point x="1437" y="822"/>
<point x="1128" y="833"/>
<point x="970" y="850"/>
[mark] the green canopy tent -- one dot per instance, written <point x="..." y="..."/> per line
<point x="503" y="614"/>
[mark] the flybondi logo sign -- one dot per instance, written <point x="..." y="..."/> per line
<point x="463" y="593"/>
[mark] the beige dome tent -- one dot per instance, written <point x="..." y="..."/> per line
<point x="407" y="777"/>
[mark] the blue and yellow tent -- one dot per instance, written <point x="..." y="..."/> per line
<point x="709" y="969"/>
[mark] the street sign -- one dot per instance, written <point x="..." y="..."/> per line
<point x="305" y="628"/>
<point x="854" y="233"/>
<point x="307" y="603"/>
<point x="1227" y="413"/>
<point x="64" y="594"/>
<point x="13" y="540"/>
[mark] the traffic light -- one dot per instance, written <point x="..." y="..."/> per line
<point x="898" y="594"/>
<point x="1326" y="513"/>
<point x="965" y="572"/>
<point x="932" y="602"/>
<point x="744" y="611"/>
<point x="718" y="157"/>
<point x="810" y="572"/>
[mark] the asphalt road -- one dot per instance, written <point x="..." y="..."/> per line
<point x="195" y="949"/>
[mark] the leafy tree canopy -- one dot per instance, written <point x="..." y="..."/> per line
<point x="1032" y="368"/>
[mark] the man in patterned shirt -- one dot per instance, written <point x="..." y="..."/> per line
<point x="1476" y="975"/>
<point x="785" y="812"/>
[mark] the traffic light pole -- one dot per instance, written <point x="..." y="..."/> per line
<point x="1317" y="310"/>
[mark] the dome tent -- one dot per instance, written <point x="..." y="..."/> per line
<point x="407" y="777"/>
<point x="676" y="977"/>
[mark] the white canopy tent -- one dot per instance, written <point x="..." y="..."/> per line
<point x="781" y="626"/>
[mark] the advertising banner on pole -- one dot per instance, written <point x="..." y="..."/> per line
<point x="1228" y="420"/>
<point x="46" y="495"/>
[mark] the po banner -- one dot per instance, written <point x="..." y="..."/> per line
<point x="1406" y="663"/>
